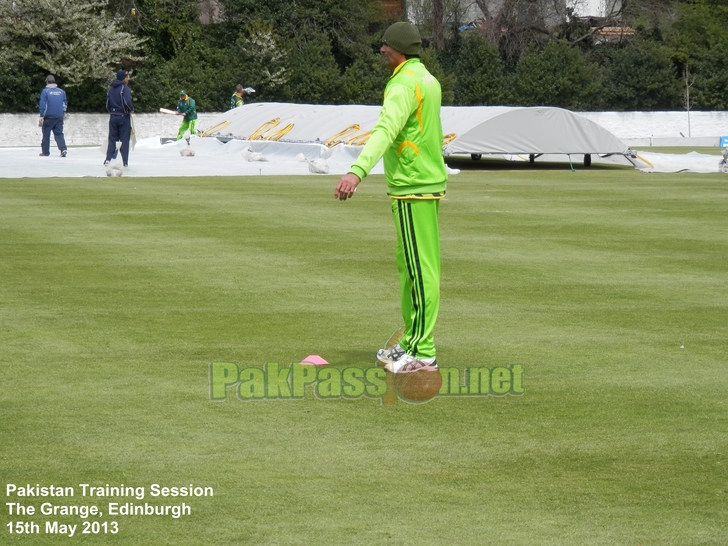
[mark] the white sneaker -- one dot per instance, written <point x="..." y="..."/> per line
<point x="386" y="356"/>
<point x="409" y="363"/>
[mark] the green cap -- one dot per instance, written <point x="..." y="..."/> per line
<point x="183" y="92"/>
<point x="404" y="37"/>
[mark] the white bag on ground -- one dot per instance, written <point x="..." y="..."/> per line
<point x="116" y="165"/>
<point x="317" y="166"/>
<point x="250" y="155"/>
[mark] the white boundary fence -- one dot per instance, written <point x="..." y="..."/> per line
<point x="633" y="128"/>
<point x="90" y="129"/>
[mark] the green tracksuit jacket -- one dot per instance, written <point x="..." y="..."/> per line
<point x="408" y="134"/>
<point x="188" y="108"/>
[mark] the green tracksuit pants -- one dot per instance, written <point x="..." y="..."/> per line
<point x="418" y="262"/>
<point x="186" y="126"/>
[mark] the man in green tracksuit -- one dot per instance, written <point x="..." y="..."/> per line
<point x="186" y="107"/>
<point x="408" y="135"/>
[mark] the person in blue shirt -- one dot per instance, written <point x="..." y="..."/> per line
<point x="120" y="107"/>
<point x="52" y="108"/>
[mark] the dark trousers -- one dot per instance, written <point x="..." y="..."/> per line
<point x="119" y="129"/>
<point x="55" y="125"/>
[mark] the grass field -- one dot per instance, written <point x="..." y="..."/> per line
<point x="608" y="285"/>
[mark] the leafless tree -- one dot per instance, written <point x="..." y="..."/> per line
<point x="438" y="34"/>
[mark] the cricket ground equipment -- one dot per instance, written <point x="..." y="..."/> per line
<point x="215" y="128"/>
<point x="167" y="111"/>
<point x="265" y="131"/>
<point x="341" y="136"/>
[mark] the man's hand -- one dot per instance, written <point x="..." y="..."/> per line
<point x="346" y="186"/>
<point x="40" y="122"/>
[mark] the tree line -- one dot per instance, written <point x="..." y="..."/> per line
<point x="671" y="57"/>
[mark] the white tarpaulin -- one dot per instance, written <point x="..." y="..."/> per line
<point x="211" y="158"/>
<point x="494" y="130"/>
<point x="293" y="139"/>
<point x="543" y="134"/>
<point x="537" y="130"/>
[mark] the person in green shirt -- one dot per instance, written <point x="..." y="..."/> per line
<point x="237" y="99"/>
<point x="186" y="107"/>
<point x="408" y="136"/>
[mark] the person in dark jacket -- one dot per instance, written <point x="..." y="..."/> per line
<point x="52" y="107"/>
<point x="120" y="107"/>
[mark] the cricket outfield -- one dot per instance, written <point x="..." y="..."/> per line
<point x="607" y="285"/>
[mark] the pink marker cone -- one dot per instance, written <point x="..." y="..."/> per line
<point x="314" y="360"/>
